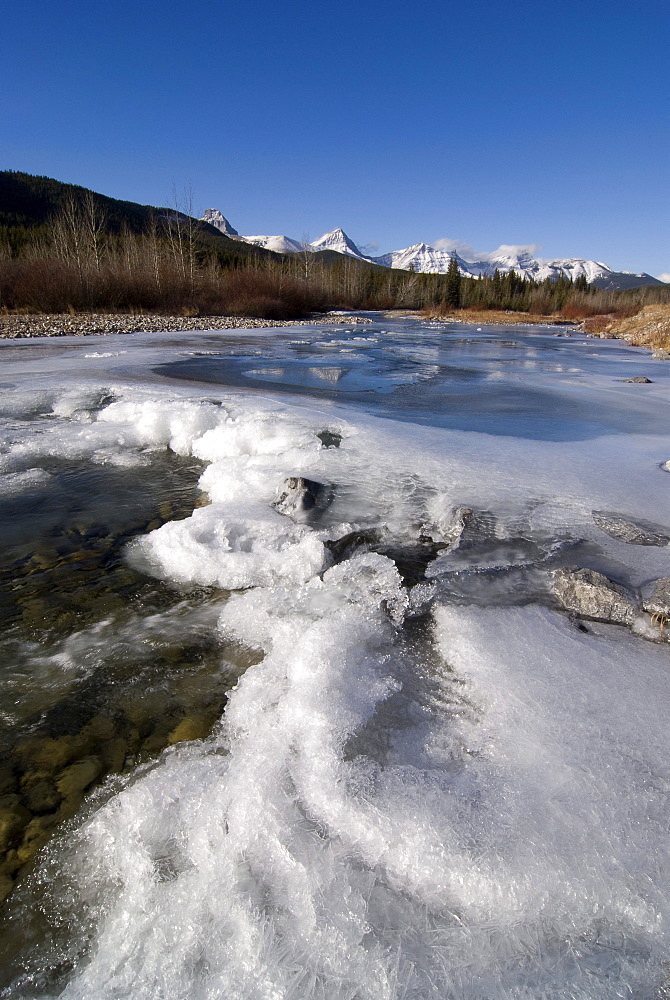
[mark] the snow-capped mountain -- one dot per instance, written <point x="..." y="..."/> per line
<point x="280" y="244"/>
<point x="219" y="221"/>
<point x="430" y="260"/>
<point x="425" y="259"/>
<point x="419" y="257"/>
<point x="525" y="264"/>
<point x="338" y="241"/>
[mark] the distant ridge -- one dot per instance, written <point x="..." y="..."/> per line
<point x="425" y="259"/>
<point x="29" y="202"/>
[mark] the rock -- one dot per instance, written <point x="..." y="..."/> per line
<point x="300" y="495"/>
<point x="191" y="727"/>
<point x="35" y="836"/>
<point x="77" y="777"/>
<point x="42" y="797"/>
<point x="658" y="602"/>
<point x="344" y="547"/>
<point x="588" y="593"/>
<point x="6" y="886"/>
<point x="637" y="378"/>
<point x="14" y="818"/>
<point x="330" y="439"/>
<point x="661" y="355"/>
<point x="626" y="530"/>
<point x="451" y="528"/>
<point x="46" y="753"/>
<point x="94" y="324"/>
<point x="7" y="780"/>
<point x="98" y="730"/>
<point x="114" y="754"/>
<point x="153" y="744"/>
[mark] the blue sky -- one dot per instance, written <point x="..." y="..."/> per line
<point x="487" y="123"/>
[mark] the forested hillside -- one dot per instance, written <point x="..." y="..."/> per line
<point x="65" y="248"/>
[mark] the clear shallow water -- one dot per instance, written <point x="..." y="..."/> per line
<point x="445" y="790"/>
<point x="532" y="382"/>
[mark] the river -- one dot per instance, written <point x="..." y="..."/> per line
<point x="345" y="745"/>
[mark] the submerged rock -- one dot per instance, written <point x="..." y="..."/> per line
<point x="588" y="593"/>
<point x="655" y="624"/>
<point x="41" y="795"/>
<point x="344" y="547"/>
<point x="626" y="530"/>
<point x="459" y="526"/>
<point x="658" y="602"/>
<point x="452" y="528"/>
<point x="299" y="495"/>
<point x="13" y="818"/>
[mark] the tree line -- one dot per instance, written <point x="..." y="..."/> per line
<point x="75" y="261"/>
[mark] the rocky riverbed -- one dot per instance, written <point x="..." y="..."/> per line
<point x="96" y="324"/>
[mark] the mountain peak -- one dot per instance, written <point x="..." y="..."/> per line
<point x="338" y="240"/>
<point x="214" y="217"/>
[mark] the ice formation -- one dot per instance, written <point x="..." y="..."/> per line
<point x="415" y="793"/>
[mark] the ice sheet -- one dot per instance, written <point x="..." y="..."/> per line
<point x="448" y="792"/>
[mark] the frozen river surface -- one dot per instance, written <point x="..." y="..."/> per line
<point x="347" y="750"/>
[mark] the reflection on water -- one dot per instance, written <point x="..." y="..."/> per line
<point x="529" y="382"/>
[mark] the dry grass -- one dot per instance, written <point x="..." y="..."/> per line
<point x="496" y="317"/>
<point x="648" y="328"/>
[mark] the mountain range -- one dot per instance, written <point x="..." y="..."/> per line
<point x="427" y="259"/>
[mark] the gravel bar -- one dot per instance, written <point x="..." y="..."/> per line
<point x="98" y="324"/>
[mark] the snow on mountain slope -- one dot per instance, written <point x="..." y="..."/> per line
<point x="426" y="259"/>
<point x="430" y="260"/>
<point x="280" y="244"/>
<point x="525" y="264"/>
<point x="423" y="258"/>
<point x="419" y="257"/>
<point x="214" y="217"/>
<point x="339" y="241"/>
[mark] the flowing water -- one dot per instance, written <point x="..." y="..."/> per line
<point x="346" y="751"/>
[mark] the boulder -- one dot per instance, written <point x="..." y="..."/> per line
<point x="637" y="378"/>
<point x="76" y="778"/>
<point x="461" y="527"/>
<point x="588" y="593"/>
<point x="658" y="602"/>
<point x="626" y="530"/>
<point x="42" y="796"/>
<point x="14" y="817"/>
<point x="299" y="495"/>
<point x="344" y="547"/>
<point x="459" y="519"/>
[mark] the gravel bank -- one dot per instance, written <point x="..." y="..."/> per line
<point x="96" y="324"/>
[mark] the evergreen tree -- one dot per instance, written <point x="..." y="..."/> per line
<point x="452" y="296"/>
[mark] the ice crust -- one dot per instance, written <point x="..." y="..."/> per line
<point x="488" y="843"/>
<point x="470" y="804"/>
<point x="232" y="546"/>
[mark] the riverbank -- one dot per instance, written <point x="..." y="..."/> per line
<point x="497" y="317"/>
<point x="17" y="326"/>
<point x="650" y="327"/>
